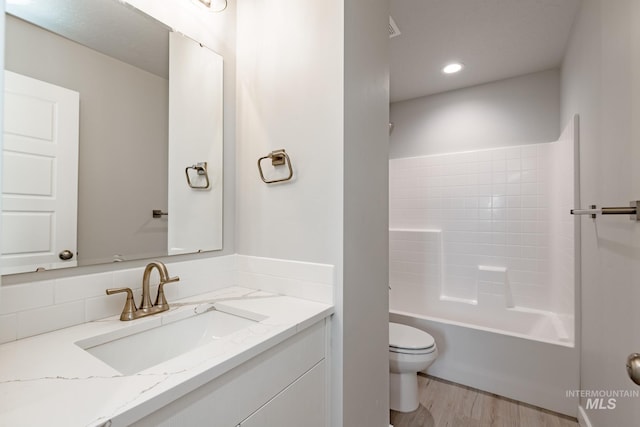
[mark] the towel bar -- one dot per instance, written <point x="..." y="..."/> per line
<point x="632" y="211"/>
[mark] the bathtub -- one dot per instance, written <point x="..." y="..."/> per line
<point x="522" y="354"/>
<point x="538" y="325"/>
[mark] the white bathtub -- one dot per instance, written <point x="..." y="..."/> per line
<point x="522" y="354"/>
<point x="537" y="325"/>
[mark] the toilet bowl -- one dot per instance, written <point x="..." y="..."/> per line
<point x="410" y="350"/>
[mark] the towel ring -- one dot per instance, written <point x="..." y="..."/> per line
<point x="278" y="158"/>
<point x="201" y="170"/>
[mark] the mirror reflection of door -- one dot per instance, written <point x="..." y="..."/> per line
<point x="123" y="122"/>
<point x="40" y="175"/>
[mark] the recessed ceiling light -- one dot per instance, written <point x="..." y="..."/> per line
<point x="454" y="67"/>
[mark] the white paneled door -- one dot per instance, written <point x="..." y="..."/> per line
<point x="39" y="175"/>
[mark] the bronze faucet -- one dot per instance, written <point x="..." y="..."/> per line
<point x="130" y="312"/>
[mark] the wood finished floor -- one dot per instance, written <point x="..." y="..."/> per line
<point x="446" y="404"/>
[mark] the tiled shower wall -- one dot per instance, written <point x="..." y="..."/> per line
<point x="489" y="208"/>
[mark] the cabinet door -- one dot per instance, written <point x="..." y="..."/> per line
<point x="303" y="403"/>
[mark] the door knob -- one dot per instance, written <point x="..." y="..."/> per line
<point x="65" y="255"/>
<point x="633" y="367"/>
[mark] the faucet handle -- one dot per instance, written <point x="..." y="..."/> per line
<point x="129" y="306"/>
<point x="161" y="301"/>
<point x="172" y="279"/>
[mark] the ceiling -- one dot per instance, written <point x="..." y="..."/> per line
<point x="494" y="39"/>
<point x="111" y="27"/>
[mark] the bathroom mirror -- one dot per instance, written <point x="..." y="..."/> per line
<point x="115" y="61"/>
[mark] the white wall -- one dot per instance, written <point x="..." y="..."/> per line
<point x="516" y="111"/>
<point x="290" y="96"/>
<point x="313" y="79"/>
<point x="600" y="82"/>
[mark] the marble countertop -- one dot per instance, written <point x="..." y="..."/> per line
<point x="49" y="380"/>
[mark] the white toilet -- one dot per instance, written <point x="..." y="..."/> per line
<point x="410" y="350"/>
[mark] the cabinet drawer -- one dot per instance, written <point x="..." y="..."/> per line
<point x="303" y="403"/>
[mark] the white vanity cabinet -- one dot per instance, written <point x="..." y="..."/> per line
<point x="303" y="403"/>
<point x="283" y="386"/>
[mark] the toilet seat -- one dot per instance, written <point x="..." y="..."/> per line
<point x="408" y="351"/>
<point x="408" y="340"/>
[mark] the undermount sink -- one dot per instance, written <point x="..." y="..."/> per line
<point x="136" y="352"/>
